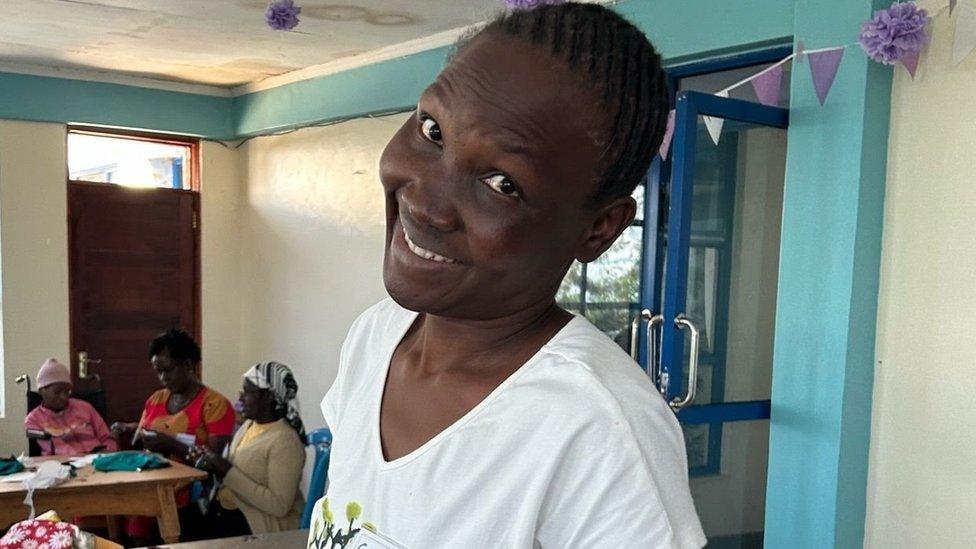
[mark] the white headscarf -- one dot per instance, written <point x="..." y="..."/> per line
<point x="277" y="378"/>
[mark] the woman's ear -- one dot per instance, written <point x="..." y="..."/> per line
<point x="609" y="221"/>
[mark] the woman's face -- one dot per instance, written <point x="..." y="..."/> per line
<point x="55" y="396"/>
<point x="174" y="375"/>
<point x="256" y="402"/>
<point x="488" y="185"/>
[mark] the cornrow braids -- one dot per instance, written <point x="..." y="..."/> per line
<point x="617" y="59"/>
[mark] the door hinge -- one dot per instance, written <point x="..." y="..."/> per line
<point x="196" y="220"/>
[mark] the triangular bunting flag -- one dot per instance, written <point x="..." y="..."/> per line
<point x="767" y="86"/>
<point x="965" y="39"/>
<point x="714" y="125"/>
<point x="910" y="61"/>
<point x="668" y="134"/>
<point x="952" y="6"/>
<point x="823" y="69"/>
<point x="798" y="51"/>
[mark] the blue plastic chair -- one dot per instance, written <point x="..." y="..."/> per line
<point x="321" y="439"/>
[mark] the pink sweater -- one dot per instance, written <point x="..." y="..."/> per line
<point x="77" y="430"/>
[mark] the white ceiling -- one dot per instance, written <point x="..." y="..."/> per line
<point x="215" y="42"/>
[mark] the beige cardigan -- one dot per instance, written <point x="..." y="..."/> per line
<point x="265" y="476"/>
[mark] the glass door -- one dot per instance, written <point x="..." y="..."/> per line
<point x="710" y="353"/>
<point x="716" y="209"/>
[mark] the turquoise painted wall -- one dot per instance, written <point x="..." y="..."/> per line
<point x="46" y="99"/>
<point x="396" y="83"/>
<point x="677" y="28"/>
<point x="828" y="286"/>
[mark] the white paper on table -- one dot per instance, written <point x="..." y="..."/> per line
<point x="186" y="439"/>
<point x="83" y="461"/>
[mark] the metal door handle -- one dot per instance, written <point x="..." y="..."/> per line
<point x="653" y="360"/>
<point x="634" y="327"/>
<point x="84" y="361"/>
<point x="683" y="322"/>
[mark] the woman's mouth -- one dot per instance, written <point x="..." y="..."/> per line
<point x="426" y="254"/>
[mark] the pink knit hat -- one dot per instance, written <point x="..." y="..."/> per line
<point x="51" y="372"/>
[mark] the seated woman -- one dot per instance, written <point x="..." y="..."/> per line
<point x="73" y="426"/>
<point x="183" y="414"/>
<point x="264" y="466"/>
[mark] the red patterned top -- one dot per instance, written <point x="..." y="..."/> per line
<point x="208" y="414"/>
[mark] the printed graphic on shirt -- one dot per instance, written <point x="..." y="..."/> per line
<point x="326" y="534"/>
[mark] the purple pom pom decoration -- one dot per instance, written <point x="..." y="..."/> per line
<point x="529" y="4"/>
<point x="282" y="14"/>
<point x="894" y="32"/>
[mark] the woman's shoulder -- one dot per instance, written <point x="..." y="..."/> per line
<point x="37" y="414"/>
<point x="383" y="319"/>
<point x="160" y="396"/>
<point x="213" y="401"/>
<point x="283" y="432"/>
<point x="371" y="338"/>
<point x="212" y="395"/>
<point x="81" y="406"/>
<point x="589" y="370"/>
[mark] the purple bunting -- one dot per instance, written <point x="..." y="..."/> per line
<point x="767" y="86"/>
<point x="910" y="61"/>
<point x="823" y="69"/>
<point x="668" y="135"/>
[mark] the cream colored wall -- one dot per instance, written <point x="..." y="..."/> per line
<point x="922" y="473"/>
<point x="33" y="261"/>
<point x="221" y="210"/>
<point x="312" y="233"/>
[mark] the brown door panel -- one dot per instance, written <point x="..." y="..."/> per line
<point x="134" y="272"/>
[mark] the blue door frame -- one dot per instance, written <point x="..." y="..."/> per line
<point x="689" y="106"/>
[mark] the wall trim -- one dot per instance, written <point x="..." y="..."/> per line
<point x="108" y="77"/>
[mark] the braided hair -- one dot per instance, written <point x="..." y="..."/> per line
<point x="617" y="59"/>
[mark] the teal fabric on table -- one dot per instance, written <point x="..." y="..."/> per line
<point x="9" y="466"/>
<point x="129" y="461"/>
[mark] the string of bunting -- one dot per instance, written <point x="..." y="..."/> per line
<point x="896" y="35"/>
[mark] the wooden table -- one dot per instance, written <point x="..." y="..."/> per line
<point x="92" y="493"/>
<point x="278" y="540"/>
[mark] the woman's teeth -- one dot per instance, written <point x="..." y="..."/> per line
<point x="426" y="254"/>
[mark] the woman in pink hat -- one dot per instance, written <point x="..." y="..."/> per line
<point x="75" y="428"/>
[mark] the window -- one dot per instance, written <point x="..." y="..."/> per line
<point x="607" y="291"/>
<point x="132" y="160"/>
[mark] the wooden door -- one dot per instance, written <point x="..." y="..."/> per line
<point x="134" y="273"/>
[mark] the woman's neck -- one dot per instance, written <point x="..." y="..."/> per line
<point x="55" y="410"/>
<point x="460" y="344"/>
<point x="190" y="391"/>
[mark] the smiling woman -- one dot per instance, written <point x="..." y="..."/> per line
<point x="470" y="410"/>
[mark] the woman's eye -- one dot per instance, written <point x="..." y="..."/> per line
<point x="501" y="184"/>
<point x="431" y="130"/>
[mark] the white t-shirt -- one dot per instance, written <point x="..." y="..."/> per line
<point x="575" y="449"/>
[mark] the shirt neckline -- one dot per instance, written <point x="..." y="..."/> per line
<point x="377" y="447"/>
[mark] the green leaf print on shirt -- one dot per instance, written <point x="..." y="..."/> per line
<point x="325" y="535"/>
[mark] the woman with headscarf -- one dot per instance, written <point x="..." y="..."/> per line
<point x="260" y="475"/>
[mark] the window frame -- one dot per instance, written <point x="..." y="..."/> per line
<point x="192" y="144"/>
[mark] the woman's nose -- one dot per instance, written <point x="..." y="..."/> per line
<point x="427" y="203"/>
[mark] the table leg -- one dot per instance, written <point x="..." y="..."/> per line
<point x="114" y="523"/>
<point x="169" y="521"/>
